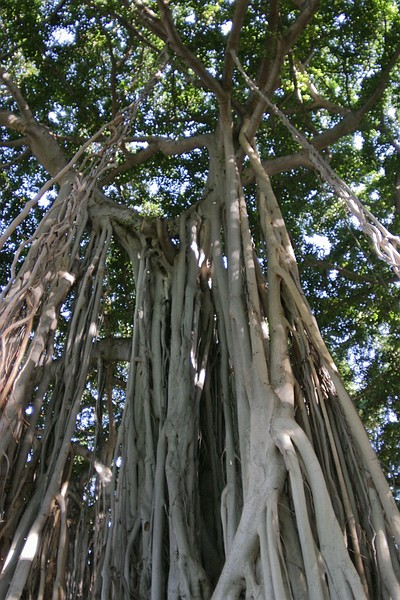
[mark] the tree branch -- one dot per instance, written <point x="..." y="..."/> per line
<point x="310" y="261"/>
<point x="26" y="152"/>
<point x="157" y="144"/>
<point x="165" y="29"/>
<point x="16" y="94"/>
<point x="319" y="101"/>
<point x="18" y="143"/>
<point x="320" y="142"/>
<point x="269" y="77"/>
<point x="271" y="43"/>
<point x="11" y="120"/>
<point x="151" y="21"/>
<point x="43" y="145"/>
<point x="352" y="120"/>
<point x="233" y="41"/>
<point x="281" y="164"/>
<point x="133" y="32"/>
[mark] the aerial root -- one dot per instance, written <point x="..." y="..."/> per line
<point x="328" y="550"/>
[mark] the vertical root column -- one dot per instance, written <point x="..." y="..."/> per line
<point x="52" y="472"/>
<point x="188" y="360"/>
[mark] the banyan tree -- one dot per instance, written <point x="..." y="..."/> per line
<point x="172" y="422"/>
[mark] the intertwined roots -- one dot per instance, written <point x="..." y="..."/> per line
<point x="235" y="461"/>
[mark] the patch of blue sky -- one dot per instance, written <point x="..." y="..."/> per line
<point x="57" y="113"/>
<point x="320" y="243"/>
<point x="358" y="141"/>
<point x="226" y="27"/>
<point x="340" y="19"/>
<point x="358" y="362"/>
<point x="191" y="18"/>
<point x="63" y="36"/>
<point x="47" y="199"/>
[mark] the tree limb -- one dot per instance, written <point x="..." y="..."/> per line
<point x="157" y="144"/>
<point x="26" y="152"/>
<point x="324" y="264"/>
<point x="350" y="122"/>
<point x="269" y="77"/>
<point x="16" y="94"/>
<point x="18" y="143"/>
<point x="347" y="125"/>
<point x="233" y="41"/>
<point x="271" y="43"/>
<point x="43" y="145"/>
<point x="166" y="30"/>
<point x="11" y="120"/>
<point x="150" y="20"/>
<point x="320" y="101"/>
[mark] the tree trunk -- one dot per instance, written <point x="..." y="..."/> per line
<point x="240" y="467"/>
